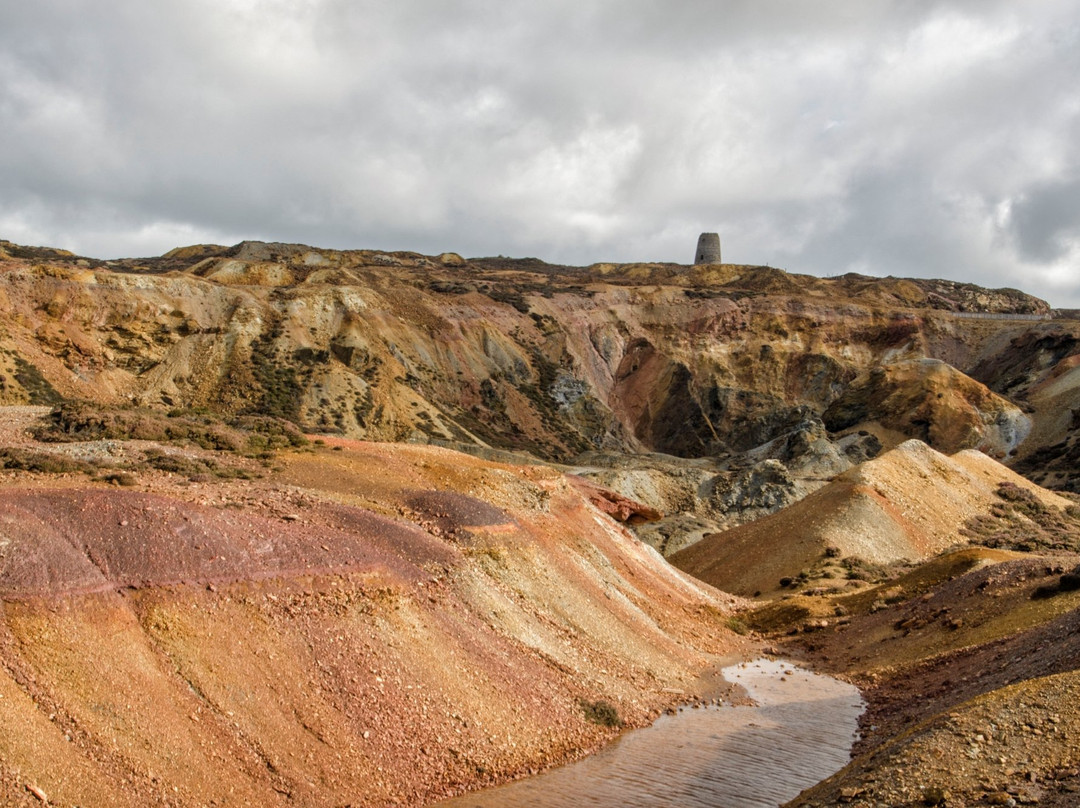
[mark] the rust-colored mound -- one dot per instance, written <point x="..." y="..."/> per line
<point x="281" y="643"/>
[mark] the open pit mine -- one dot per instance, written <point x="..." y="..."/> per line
<point x="287" y="526"/>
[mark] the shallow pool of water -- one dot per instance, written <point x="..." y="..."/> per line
<point x="800" y="732"/>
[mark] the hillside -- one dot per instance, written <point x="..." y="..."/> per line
<point x="518" y="354"/>
<point x="713" y="394"/>
<point x="351" y="619"/>
<point x="988" y="641"/>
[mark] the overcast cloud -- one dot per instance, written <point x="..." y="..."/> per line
<point x="902" y="137"/>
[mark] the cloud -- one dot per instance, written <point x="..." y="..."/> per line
<point x="917" y="138"/>
<point x="1045" y="220"/>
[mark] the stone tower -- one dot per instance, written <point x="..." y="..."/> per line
<point x="708" y="249"/>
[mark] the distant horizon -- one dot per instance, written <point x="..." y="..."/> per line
<point x="467" y="257"/>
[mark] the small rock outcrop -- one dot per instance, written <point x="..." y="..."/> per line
<point x="767" y="486"/>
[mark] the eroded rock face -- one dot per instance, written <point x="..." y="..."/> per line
<point x="618" y="507"/>
<point x="810" y="451"/>
<point x="653" y="394"/>
<point x="767" y="486"/>
<point x="707" y="361"/>
<point x="696" y="497"/>
<point x="936" y="403"/>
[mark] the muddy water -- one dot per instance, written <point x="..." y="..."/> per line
<point x="799" y="732"/>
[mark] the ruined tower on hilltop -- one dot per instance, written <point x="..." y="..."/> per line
<point x="708" y="249"/>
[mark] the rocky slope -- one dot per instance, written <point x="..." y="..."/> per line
<point x="688" y="361"/>
<point x="988" y="639"/>
<point x="200" y="607"/>
<point x="361" y="624"/>
<point x="931" y="400"/>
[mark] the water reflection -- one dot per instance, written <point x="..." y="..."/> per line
<point x="800" y="732"/>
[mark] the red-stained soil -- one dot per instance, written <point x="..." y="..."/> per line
<point x="77" y="541"/>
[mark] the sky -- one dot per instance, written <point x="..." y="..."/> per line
<point x="888" y="137"/>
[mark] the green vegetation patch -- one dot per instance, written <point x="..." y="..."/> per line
<point x="738" y="625"/>
<point x="282" y="395"/>
<point x="601" y="712"/>
<point x="860" y="569"/>
<point x="15" y="458"/>
<point x="195" y="468"/>
<point x="37" y="387"/>
<point x="780" y="616"/>
<point x="250" y="436"/>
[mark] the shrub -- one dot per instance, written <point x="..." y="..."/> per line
<point x="859" y="569"/>
<point x="174" y="464"/>
<point x="249" y="435"/>
<point x="1021" y="522"/>
<point x="196" y="469"/>
<point x="1070" y="581"/>
<point x="18" y="459"/>
<point x="120" y="478"/>
<point x="1011" y="492"/>
<point x="601" y="712"/>
<point x="84" y="420"/>
<point x="267" y="433"/>
<point x="738" y="626"/>
<point x="37" y="387"/>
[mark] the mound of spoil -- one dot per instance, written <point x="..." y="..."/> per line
<point x="1014" y="746"/>
<point x="981" y="665"/>
<point x="994" y="656"/>
<point x="909" y="503"/>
